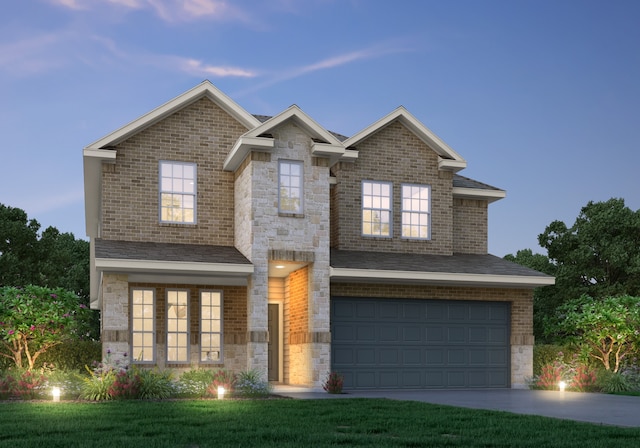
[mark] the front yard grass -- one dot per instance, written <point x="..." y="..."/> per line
<point x="289" y="423"/>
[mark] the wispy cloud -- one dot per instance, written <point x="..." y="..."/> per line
<point x="32" y="55"/>
<point x="373" y="52"/>
<point x="168" y="10"/>
<point x="198" y="68"/>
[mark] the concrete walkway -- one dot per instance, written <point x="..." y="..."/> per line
<point x="585" y="407"/>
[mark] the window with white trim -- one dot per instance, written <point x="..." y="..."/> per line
<point x="178" y="192"/>
<point x="416" y="211"/>
<point x="178" y="326"/>
<point x="143" y="328"/>
<point x="376" y="208"/>
<point x="210" y="326"/>
<point x="290" y="181"/>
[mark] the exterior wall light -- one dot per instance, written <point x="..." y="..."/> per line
<point x="562" y="385"/>
<point x="221" y="392"/>
<point x="55" y="392"/>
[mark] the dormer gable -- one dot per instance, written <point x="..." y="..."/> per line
<point x="448" y="159"/>
<point x="325" y="144"/>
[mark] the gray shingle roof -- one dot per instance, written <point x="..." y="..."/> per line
<point x="195" y="253"/>
<point x="457" y="263"/>
<point x="464" y="182"/>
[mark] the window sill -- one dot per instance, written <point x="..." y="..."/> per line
<point x="290" y="215"/>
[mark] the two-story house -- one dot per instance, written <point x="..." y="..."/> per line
<point x="222" y="239"/>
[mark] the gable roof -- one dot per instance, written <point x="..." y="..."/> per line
<point x="449" y="159"/>
<point x="325" y="143"/>
<point x="454" y="270"/>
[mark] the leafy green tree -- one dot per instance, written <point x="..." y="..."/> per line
<point x="607" y="329"/>
<point x="600" y="254"/>
<point x="33" y="319"/>
<point x="19" y="254"/>
<point x="53" y="259"/>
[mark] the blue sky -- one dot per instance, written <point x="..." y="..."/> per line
<point x="541" y="97"/>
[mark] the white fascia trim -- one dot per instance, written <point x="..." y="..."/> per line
<point x="92" y="168"/>
<point x="415" y="126"/>
<point x="203" y="89"/>
<point x="244" y="146"/>
<point x="333" y="152"/>
<point x="451" y="165"/>
<point x="441" y="278"/>
<point x="126" y="265"/>
<point x="473" y="193"/>
<point x="302" y="119"/>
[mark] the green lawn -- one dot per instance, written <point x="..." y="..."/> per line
<point x="286" y="422"/>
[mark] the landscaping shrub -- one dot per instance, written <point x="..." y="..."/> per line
<point x="224" y="378"/>
<point x="155" y="384"/>
<point x="613" y="382"/>
<point x="71" y="355"/>
<point x="251" y="384"/>
<point x="194" y="382"/>
<point x="333" y="384"/>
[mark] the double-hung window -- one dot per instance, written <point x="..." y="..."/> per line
<point x="178" y="192"/>
<point x="210" y="326"/>
<point x="376" y="208"/>
<point x="177" y="326"/>
<point x="290" y="181"/>
<point x="416" y="211"/>
<point x="143" y="313"/>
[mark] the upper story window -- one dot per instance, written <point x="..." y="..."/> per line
<point x="178" y="192"/>
<point x="416" y="211"/>
<point x="290" y="181"/>
<point x="143" y="327"/>
<point x="376" y="208"/>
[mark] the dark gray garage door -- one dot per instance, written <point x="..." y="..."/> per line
<point x="418" y="344"/>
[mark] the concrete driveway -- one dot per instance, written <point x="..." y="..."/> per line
<point x="593" y="408"/>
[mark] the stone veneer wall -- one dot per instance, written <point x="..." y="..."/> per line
<point x="263" y="231"/>
<point x="116" y="332"/>
<point x="521" y="338"/>
<point x="202" y="133"/>
<point x="470" y="222"/>
<point x="393" y="154"/>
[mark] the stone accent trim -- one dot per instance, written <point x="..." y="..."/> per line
<point x="115" y="336"/>
<point x="235" y="338"/>
<point x="258" y="336"/>
<point x="292" y="255"/>
<point x="522" y="339"/>
<point x="311" y="337"/>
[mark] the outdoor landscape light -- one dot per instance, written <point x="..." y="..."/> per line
<point x="55" y="392"/>
<point x="562" y="385"/>
<point x="220" y="392"/>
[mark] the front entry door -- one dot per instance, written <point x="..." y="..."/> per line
<point x="273" y="351"/>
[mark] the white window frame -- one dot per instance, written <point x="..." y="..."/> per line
<point x="287" y="182"/>
<point x="375" y="202"/>
<point x="140" y="313"/>
<point x="178" y="326"/>
<point x="176" y="188"/>
<point x="416" y="211"/>
<point x="207" y="354"/>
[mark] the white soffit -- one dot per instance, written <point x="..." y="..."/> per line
<point x="482" y="194"/>
<point x="438" y="278"/>
<point x="176" y="267"/>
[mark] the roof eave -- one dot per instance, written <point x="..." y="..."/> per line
<point x="92" y="160"/>
<point x="481" y="194"/>
<point x="204" y="89"/>
<point x="438" y="278"/>
<point x="244" y="145"/>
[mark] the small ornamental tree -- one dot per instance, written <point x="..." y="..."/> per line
<point x="33" y="319"/>
<point x="607" y="329"/>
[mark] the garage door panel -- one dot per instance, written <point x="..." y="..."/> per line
<point x="405" y="343"/>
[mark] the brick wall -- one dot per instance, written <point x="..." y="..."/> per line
<point x="298" y="306"/>
<point x="201" y="133"/>
<point x="470" y="234"/>
<point x="394" y="154"/>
